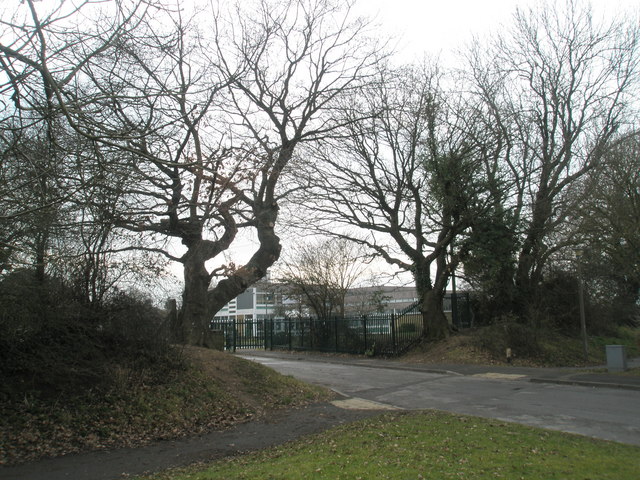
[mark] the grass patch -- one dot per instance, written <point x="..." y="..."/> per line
<point x="487" y="346"/>
<point x="213" y="391"/>
<point x="430" y="445"/>
<point x="628" y="337"/>
<point x="568" y="351"/>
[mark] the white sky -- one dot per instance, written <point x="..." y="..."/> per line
<point x="438" y="27"/>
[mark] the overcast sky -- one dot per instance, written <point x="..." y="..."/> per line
<point x="438" y="27"/>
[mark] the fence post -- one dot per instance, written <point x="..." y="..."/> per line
<point x="271" y="332"/>
<point x="335" y="322"/>
<point x="289" y="335"/>
<point x="235" y="335"/>
<point x="393" y="333"/>
<point x="364" y="326"/>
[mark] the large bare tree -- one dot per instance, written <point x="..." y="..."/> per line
<point x="405" y="181"/>
<point x="606" y="225"/>
<point x="203" y="112"/>
<point x="556" y="86"/>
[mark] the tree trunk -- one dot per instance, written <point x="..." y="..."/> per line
<point x="194" y="316"/>
<point x="256" y="268"/>
<point x="173" y="324"/>
<point x="41" y="241"/>
<point x="528" y="276"/>
<point x="435" y="323"/>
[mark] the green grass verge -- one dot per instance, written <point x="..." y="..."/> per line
<point x="533" y="347"/>
<point x="430" y="445"/>
<point x="569" y="352"/>
<point x="628" y="337"/>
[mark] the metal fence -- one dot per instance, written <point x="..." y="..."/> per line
<point x="377" y="334"/>
<point x="381" y="334"/>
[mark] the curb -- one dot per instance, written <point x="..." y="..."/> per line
<point x="585" y="383"/>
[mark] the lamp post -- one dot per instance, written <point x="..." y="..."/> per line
<point x="583" y="324"/>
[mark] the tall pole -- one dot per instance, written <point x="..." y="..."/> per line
<point x="583" y="322"/>
<point x="454" y="298"/>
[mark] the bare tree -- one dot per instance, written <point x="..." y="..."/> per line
<point x="38" y="57"/>
<point x="408" y="179"/>
<point x="322" y="272"/>
<point x="557" y="87"/>
<point x="606" y="224"/>
<point x="30" y="202"/>
<point x="205" y="124"/>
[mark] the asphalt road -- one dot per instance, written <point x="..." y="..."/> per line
<point x="610" y="414"/>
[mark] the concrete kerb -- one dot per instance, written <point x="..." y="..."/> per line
<point x="583" y="383"/>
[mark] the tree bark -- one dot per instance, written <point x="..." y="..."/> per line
<point x="435" y="323"/>
<point x="256" y="268"/>
<point x="528" y="275"/>
<point x="194" y="316"/>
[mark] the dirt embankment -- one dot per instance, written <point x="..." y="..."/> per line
<point x="213" y="392"/>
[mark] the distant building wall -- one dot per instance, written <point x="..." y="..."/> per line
<point x="245" y="299"/>
<point x="270" y="300"/>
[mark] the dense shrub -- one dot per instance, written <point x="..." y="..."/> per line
<point x="50" y="343"/>
<point x="556" y="308"/>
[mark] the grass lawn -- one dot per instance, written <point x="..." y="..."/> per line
<point x="430" y="445"/>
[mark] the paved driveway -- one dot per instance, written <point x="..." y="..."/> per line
<point x="611" y="414"/>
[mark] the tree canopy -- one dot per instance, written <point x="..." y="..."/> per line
<point x="131" y="131"/>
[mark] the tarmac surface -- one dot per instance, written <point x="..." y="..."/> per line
<point x="286" y="425"/>
<point x="595" y="376"/>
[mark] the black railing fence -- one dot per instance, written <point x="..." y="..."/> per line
<point x="388" y="334"/>
<point x="375" y="334"/>
<point x="379" y="334"/>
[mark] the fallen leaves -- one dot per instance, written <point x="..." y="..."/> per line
<point x="209" y="396"/>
